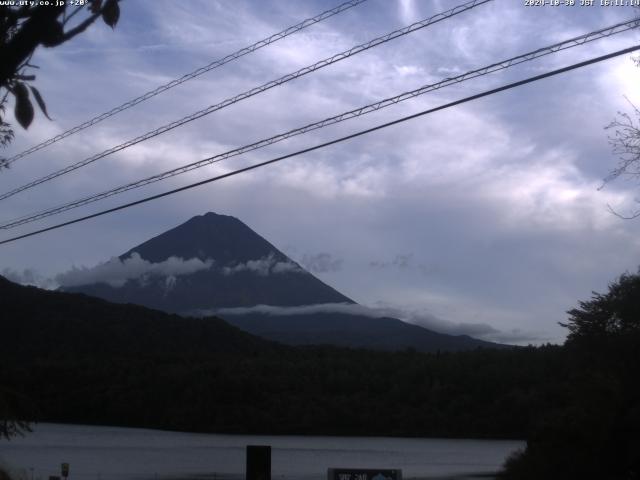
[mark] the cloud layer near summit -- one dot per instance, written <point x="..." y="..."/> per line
<point x="116" y="272"/>
<point x="488" y="213"/>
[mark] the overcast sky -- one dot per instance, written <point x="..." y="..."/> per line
<point x="488" y="213"/>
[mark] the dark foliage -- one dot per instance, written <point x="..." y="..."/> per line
<point x="15" y="409"/>
<point x="83" y="360"/>
<point x="87" y="361"/>
<point x="46" y="323"/>
<point x="614" y="314"/>
<point x="4" y="475"/>
<point x="23" y="28"/>
<point x="595" y="434"/>
<point x="316" y="390"/>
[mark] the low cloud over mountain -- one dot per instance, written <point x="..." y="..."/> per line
<point x="321" y="262"/>
<point x="423" y="319"/>
<point x="264" y="266"/>
<point x="29" y="276"/>
<point x="116" y="272"/>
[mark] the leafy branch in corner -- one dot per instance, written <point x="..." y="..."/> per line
<point x="24" y="28"/>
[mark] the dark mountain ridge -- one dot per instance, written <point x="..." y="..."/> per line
<point x="353" y="331"/>
<point x="36" y="320"/>
<point x="70" y="358"/>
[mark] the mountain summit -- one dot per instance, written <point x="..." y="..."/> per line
<point x="222" y="238"/>
<point x="215" y="264"/>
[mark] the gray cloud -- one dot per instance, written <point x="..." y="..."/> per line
<point x="401" y="261"/>
<point x="483" y="331"/>
<point x="169" y="284"/>
<point x="421" y="318"/>
<point x="263" y="267"/>
<point x="321" y="262"/>
<point x="28" y="276"/>
<point x="116" y="272"/>
<point x="346" y="308"/>
<point x="404" y="261"/>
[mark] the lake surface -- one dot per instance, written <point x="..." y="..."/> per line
<point x="104" y="453"/>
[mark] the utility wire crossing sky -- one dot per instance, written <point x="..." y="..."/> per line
<point x="333" y="142"/>
<point x="190" y="76"/>
<point x="256" y="91"/>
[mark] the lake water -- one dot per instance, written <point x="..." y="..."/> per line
<point x="104" y="453"/>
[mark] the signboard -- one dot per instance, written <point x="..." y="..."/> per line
<point x="64" y="469"/>
<point x="363" y="474"/>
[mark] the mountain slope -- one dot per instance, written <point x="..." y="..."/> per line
<point x="355" y="331"/>
<point x="231" y="245"/>
<point x="239" y="268"/>
<point x="69" y="358"/>
<point x="35" y="320"/>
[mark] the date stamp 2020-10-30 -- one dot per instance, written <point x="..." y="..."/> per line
<point x="582" y="3"/>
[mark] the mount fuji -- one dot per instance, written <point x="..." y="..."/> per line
<point x="215" y="264"/>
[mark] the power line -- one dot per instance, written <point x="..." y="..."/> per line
<point x="575" y="41"/>
<point x="254" y="91"/>
<point x="332" y="142"/>
<point x="196" y="73"/>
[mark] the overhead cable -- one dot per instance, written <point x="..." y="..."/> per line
<point x="196" y="73"/>
<point x="254" y="91"/>
<point x="504" y="64"/>
<point x="326" y="144"/>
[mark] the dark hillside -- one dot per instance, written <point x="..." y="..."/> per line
<point x="355" y="331"/>
<point x="83" y="360"/>
<point x="40" y="322"/>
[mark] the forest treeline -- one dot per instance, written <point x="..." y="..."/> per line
<point x="314" y="390"/>
<point x="83" y="360"/>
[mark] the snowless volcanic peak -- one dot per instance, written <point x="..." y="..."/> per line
<point x="211" y="261"/>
